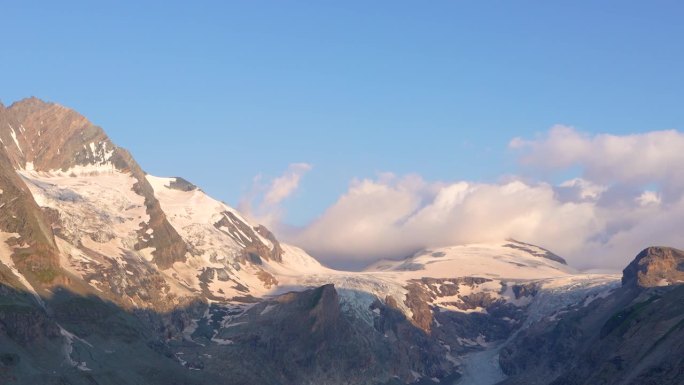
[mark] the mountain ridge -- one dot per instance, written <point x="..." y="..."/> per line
<point x="87" y="236"/>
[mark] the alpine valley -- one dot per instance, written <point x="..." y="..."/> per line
<point x="109" y="275"/>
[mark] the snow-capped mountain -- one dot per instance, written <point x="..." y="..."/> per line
<point x="113" y="268"/>
<point x="138" y="240"/>
<point x="508" y="259"/>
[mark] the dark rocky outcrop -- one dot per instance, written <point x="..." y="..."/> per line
<point x="655" y="266"/>
<point x="306" y="338"/>
<point x="254" y="249"/>
<point x="425" y="291"/>
<point x="181" y="184"/>
<point x="276" y="253"/>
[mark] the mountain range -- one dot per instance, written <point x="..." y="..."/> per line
<point x="109" y="275"/>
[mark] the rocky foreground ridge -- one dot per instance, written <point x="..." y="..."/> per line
<point x="635" y="335"/>
<point x="109" y="275"/>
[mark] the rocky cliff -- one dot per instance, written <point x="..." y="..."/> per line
<point x="655" y="266"/>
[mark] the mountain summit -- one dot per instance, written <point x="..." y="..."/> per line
<point x="655" y="266"/>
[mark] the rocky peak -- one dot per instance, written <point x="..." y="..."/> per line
<point x="42" y="136"/>
<point x="655" y="266"/>
<point x="47" y="136"/>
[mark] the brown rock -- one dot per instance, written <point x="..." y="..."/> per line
<point x="655" y="266"/>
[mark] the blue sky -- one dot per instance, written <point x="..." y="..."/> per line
<point x="219" y="92"/>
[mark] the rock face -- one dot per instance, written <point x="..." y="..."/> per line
<point x="34" y="251"/>
<point x="311" y="340"/>
<point x="655" y="266"/>
<point x="47" y="136"/>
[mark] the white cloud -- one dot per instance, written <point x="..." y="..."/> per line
<point x="636" y="159"/>
<point x="581" y="189"/>
<point x="392" y="218"/>
<point x="630" y="195"/>
<point x="283" y="186"/>
<point x="268" y="210"/>
<point x="648" y="198"/>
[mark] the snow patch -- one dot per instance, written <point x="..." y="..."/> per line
<point x="221" y="341"/>
<point x="14" y="137"/>
<point x="475" y="260"/>
<point x="69" y="348"/>
<point x="267" y="309"/>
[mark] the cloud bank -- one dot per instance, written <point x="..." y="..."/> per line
<point x="628" y="194"/>
<point x="636" y="159"/>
